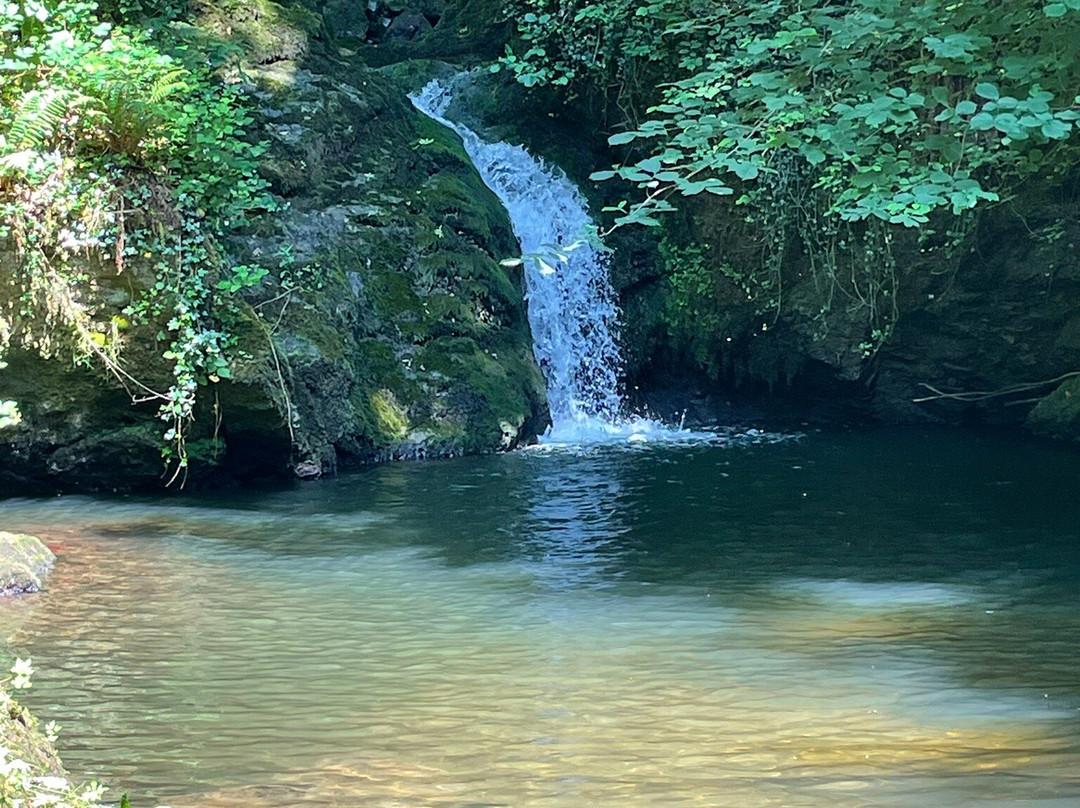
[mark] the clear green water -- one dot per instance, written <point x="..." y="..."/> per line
<point x="879" y="619"/>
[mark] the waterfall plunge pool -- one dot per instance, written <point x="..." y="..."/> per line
<point x="859" y="619"/>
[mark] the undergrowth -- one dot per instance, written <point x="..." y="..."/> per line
<point x="124" y="162"/>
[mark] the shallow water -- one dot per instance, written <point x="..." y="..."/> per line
<point x="879" y="619"/>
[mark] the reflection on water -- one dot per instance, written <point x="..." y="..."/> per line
<point x="883" y="620"/>
<point x="574" y="526"/>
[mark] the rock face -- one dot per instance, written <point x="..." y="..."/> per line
<point x="399" y="30"/>
<point x="417" y="340"/>
<point x="983" y="334"/>
<point x="24" y="563"/>
<point x="386" y="326"/>
<point x="1003" y="327"/>
<point x="1058" y="414"/>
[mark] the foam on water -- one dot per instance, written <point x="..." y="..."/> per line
<point x="572" y="310"/>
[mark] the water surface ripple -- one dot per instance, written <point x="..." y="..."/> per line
<point x="883" y="619"/>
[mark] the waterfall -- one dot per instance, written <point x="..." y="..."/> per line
<point x="572" y="310"/>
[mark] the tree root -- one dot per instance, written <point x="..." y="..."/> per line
<point x="983" y="395"/>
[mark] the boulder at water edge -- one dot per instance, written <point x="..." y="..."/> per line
<point x="24" y="563"/>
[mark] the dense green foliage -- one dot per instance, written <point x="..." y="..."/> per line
<point x="893" y="108"/>
<point x="831" y="123"/>
<point x="120" y="147"/>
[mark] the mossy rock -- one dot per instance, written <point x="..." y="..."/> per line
<point x="393" y="421"/>
<point x="388" y="244"/>
<point x="25" y="563"/>
<point x="469" y="208"/>
<point x="469" y="30"/>
<point x="413" y="74"/>
<point x="79" y="428"/>
<point x="264" y="30"/>
<point x="493" y="390"/>
<point x="1058" y="414"/>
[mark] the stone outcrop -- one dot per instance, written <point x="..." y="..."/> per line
<point x="983" y="335"/>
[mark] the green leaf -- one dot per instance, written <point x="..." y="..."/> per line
<point x="987" y="90"/>
<point x="1055" y="130"/>
<point x="953" y="46"/>
<point x="694" y="188"/>
<point x="745" y="170"/>
<point x="814" y="156"/>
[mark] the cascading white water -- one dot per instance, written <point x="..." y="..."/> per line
<point x="572" y="309"/>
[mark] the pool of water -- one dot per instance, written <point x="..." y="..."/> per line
<point x="888" y="618"/>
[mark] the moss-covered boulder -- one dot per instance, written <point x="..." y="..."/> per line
<point x="24" y="563"/>
<point x="1058" y="414"/>
<point x="385" y="325"/>
<point x="389" y="248"/>
<point x="35" y="774"/>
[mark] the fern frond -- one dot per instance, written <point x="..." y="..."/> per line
<point x="39" y="115"/>
<point x="167" y="84"/>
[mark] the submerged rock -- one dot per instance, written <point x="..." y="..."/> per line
<point x="24" y="563"/>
